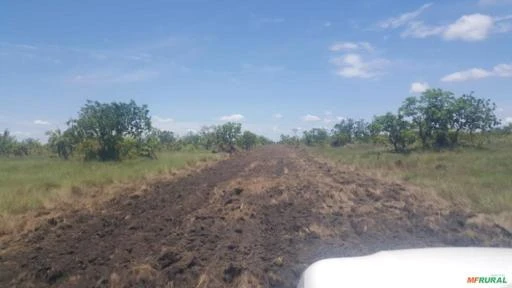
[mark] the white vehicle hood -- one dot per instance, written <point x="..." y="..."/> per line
<point x="430" y="267"/>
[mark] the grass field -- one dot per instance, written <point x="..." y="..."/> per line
<point x="27" y="183"/>
<point x="481" y="177"/>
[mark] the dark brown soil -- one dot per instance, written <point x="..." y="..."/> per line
<point x="254" y="220"/>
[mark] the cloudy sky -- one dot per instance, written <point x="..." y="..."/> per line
<point x="273" y="65"/>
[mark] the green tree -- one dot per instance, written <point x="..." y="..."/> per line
<point x="289" y="140"/>
<point x="507" y="129"/>
<point x="32" y="146"/>
<point x="227" y="136"/>
<point x="262" y="140"/>
<point x="350" y="131"/>
<point x="432" y="116"/>
<point x="149" y="145"/>
<point x="60" y="143"/>
<point x="248" y="140"/>
<point x="397" y="130"/>
<point x="108" y="124"/>
<point x="315" y="136"/>
<point x="208" y="137"/>
<point x="439" y="117"/>
<point x="166" y="138"/>
<point x="361" y="131"/>
<point x="344" y="131"/>
<point x="473" y="114"/>
<point x="7" y="143"/>
<point x="191" y="140"/>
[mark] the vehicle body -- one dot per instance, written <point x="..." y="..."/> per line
<point x="428" y="267"/>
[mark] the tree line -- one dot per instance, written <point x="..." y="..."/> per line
<point x="436" y="119"/>
<point x="117" y="131"/>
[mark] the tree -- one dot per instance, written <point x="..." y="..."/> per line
<point x="167" y="139"/>
<point x="397" y="130"/>
<point x="32" y="146"/>
<point x="108" y="124"/>
<point x="227" y="136"/>
<point x="148" y="145"/>
<point x="315" y="136"/>
<point x="248" y="140"/>
<point x="60" y="143"/>
<point x="361" y="131"/>
<point x="473" y="114"/>
<point x="191" y="139"/>
<point x="262" y="140"/>
<point x="350" y="131"/>
<point x="432" y="115"/>
<point x="439" y="117"/>
<point x="344" y="131"/>
<point x="507" y="129"/>
<point x="208" y="137"/>
<point x="7" y="143"/>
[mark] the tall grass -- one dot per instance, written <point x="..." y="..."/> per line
<point x="25" y="183"/>
<point x="480" y="177"/>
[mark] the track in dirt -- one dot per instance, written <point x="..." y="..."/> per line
<point x="254" y="220"/>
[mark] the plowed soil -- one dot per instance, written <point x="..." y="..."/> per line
<point x="256" y="219"/>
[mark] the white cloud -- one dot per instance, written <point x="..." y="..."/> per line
<point x="419" y="87"/>
<point x="135" y="76"/>
<point x="329" y="118"/>
<point x="163" y="120"/>
<point x="494" y="2"/>
<point x="500" y="70"/>
<point x="403" y="19"/>
<point x="233" y="117"/>
<point x="417" y="29"/>
<point x="343" y="46"/>
<point x="470" y="28"/>
<point x="503" y="70"/>
<point x="474" y="27"/>
<point x="274" y="20"/>
<point x="114" y="77"/>
<point x="502" y="27"/>
<point x="339" y="118"/>
<point x="354" y="66"/>
<point x="508" y="120"/>
<point x="277" y="116"/>
<point x="351" y="46"/>
<point x="470" y="74"/>
<point x="311" y="118"/>
<point x="41" y="122"/>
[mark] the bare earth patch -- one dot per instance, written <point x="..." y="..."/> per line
<point x="254" y="220"/>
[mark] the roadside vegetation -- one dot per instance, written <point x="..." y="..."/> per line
<point x="479" y="177"/>
<point x="454" y="145"/>
<point x="107" y="143"/>
<point x="30" y="183"/>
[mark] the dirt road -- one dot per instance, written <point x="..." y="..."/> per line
<point x="254" y="220"/>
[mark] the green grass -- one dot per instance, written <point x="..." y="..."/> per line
<point x="483" y="177"/>
<point x="25" y="183"/>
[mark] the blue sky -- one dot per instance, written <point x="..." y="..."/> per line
<point x="273" y="65"/>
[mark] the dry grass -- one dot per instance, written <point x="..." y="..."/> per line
<point x="33" y="189"/>
<point x="480" y="177"/>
